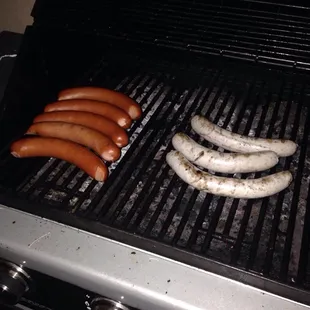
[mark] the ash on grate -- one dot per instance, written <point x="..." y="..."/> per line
<point x="56" y="196"/>
<point x="37" y="176"/>
<point x="75" y="179"/>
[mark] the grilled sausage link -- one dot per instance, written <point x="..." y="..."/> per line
<point x="107" y="127"/>
<point x="65" y="150"/>
<point x="88" y="137"/>
<point x="101" y="108"/>
<point x="223" y="162"/>
<point x="229" y="187"/>
<point x="102" y="94"/>
<point x="238" y="143"/>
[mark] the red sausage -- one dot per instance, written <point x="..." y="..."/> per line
<point x="65" y="150"/>
<point x="101" y="108"/>
<point x="88" y="137"/>
<point x="107" y="127"/>
<point x="102" y="94"/>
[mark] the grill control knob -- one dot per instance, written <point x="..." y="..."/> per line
<point x="14" y="282"/>
<point x="107" y="304"/>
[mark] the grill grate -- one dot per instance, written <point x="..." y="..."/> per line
<point x="274" y="32"/>
<point x="261" y="242"/>
<point x="143" y="198"/>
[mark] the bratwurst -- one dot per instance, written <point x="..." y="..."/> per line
<point x="223" y="162"/>
<point x="229" y="187"/>
<point x="238" y="143"/>
<point x="65" y="150"/>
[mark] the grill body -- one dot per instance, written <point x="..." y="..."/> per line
<point x="244" y="67"/>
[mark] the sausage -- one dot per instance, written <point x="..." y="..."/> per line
<point x="65" y="150"/>
<point x="229" y="187"/>
<point x="102" y="94"/>
<point x="101" y="108"/>
<point x="238" y="143"/>
<point x="223" y="162"/>
<point x="88" y="137"/>
<point x="107" y="127"/>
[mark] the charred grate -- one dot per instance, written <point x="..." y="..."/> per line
<point x="143" y="198"/>
<point x="274" y="32"/>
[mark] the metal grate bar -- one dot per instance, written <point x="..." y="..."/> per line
<point x="304" y="252"/>
<point x="229" y="115"/>
<point x="184" y="186"/>
<point x="221" y="201"/>
<point x="137" y="204"/>
<point x="278" y="4"/>
<point x="159" y="141"/>
<point x="166" y="169"/>
<point x="247" y="212"/>
<point x="264" y="205"/>
<point x="198" y="101"/>
<point x="193" y="198"/>
<point x="131" y="150"/>
<point x="296" y="191"/>
<point x="262" y="32"/>
<point x="219" y="207"/>
<point x="276" y="220"/>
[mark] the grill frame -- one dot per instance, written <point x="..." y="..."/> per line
<point x="151" y="245"/>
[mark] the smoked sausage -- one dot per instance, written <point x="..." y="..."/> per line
<point x="101" y="108"/>
<point x="65" y="150"/>
<point x="107" y="127"/>
<point x="88" y="137"/>
<point x="106" y="95"/>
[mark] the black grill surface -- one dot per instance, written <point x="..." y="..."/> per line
<point x="262" y="242"/>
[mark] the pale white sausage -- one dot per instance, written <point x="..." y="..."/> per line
<point x="229" y="187"/>
<point x="223" y="162"/>
<point x="238" y="143"/>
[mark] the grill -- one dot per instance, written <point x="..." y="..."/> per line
<point x="262" y="242"/>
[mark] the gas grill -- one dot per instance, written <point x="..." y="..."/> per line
<point x="244" y="65"/>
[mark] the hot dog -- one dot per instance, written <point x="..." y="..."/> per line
<point x="238" y="143"/>
<point x="101" y="108"/>
<point x="65" y="150"/>
<point x="229" y="187"/>
<point x="107" y="127"/>
<point x="102" y="94"/>
<point x="88" y="137"/>
<point x="223" y="162"/>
